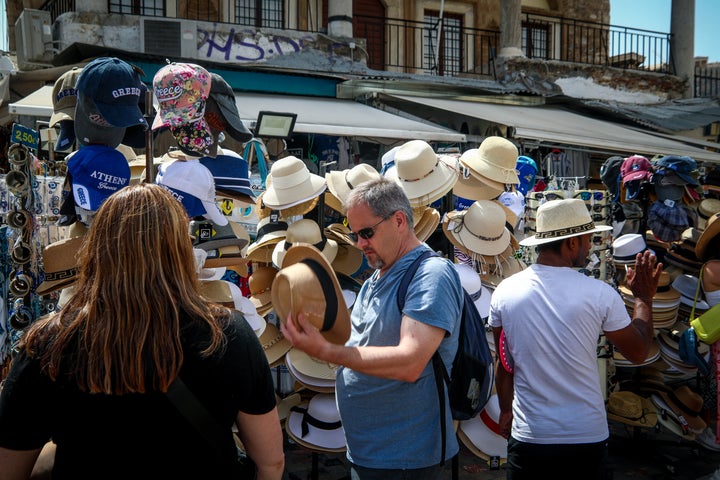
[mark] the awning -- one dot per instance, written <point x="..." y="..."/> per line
<point x="37" y="104"/>
<point x="332" y="116"/>
<point x="558" y="126"/>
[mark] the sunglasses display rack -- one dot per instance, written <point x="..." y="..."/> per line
<point x="598" y="203"/>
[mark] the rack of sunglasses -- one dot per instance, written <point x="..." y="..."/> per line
<point x="598" y="203"/>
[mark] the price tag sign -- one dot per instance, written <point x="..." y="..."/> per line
<point x="24" y="135"/>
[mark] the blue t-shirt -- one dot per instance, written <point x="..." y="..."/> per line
<point x="390" y="423"/>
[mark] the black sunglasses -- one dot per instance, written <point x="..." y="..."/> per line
<point x="368" y="232"/>
<point x="548" y="196"/>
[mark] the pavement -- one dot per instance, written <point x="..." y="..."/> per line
<point x="634" y="454"/>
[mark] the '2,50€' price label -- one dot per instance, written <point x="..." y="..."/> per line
<point x="24" y="135"/>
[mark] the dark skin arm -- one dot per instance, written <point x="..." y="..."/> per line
<point x="634" y="340"/>
<point x="504" y="388"/>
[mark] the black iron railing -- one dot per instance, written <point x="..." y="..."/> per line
<point x="707" y="82"/>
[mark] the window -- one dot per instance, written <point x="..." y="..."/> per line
<point x="260" y="13"/>
<point x="448" y="49"/>
<point x="535" y="40"/>
<point x="152" y="8"/>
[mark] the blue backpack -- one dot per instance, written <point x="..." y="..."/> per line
<point x="473" y="372"/>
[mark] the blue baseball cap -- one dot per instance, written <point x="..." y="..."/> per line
<point x="97" y="172"/>
<point x="66" y="139"/>
<point x="231" y="175"/>
<point x="115" y="88"/>
<point x="682" y="165"/>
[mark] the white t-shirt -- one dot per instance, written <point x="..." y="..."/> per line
<point x="553" y="317"/>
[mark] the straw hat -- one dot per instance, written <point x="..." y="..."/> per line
<point x="316" y="384"/>
<point x="316" y="425"/>
<point x="232" y="257"/>
<point x="291" y="184"/>
<point x="685" y="403"/>
<point x="561" y="219"/>
<point x="481" y="434"/>
<point x="341" y="182"/>
<point x="348" y="259"/>
<point x="706" y="209"/>
<point x="495" y="160"/>
<point x="308" y="284"/>
<point x="304" y="231"/>
<point x="274" y="344"/>
<point x="471" y="186"/>
<point x="712" y="228"/>
<point x="632" y="409"/>
<point x="338" y="232"/>
<point x="260" y="283"/>
<point x="333" y="202"/>
<point x="59" y="264"/>
<point x="421" y="174"/>
<point x="480" y="228"/>
<point x="268" y="234"/>
<point x="426" y="224"/>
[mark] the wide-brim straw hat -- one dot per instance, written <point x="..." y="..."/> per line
<point x="340" y="182"/>
<point x="472" y="185"/>
<point x="308" y="284"/>
<point x="421" y="173"/>
<point x="348" y="259"/>
<point x="307" y="231"/>
<point x="338" y="232"/>
<point x="561" y="219"/>
<point x="268" y="234"/>
<point x="260" y="283"/>
<point x="316" y="425"/>
<point x="311" y="366"/>
<point x="495" y="159"/>
<point x="426" y="224"/>
<point x="60" y="264"/>
<point x="706" y="209"/>
<point x="231" y="256"/>
<point x="274" y="344"/>
<point x="481" y="434"/>
<point x="631" y="409"/>
<point x="291" y="184"/>
<point x="480" y="228"/>
<point x="333" y="202"/>
<point x="712" y="228"/>
<point x="322" y="385"/>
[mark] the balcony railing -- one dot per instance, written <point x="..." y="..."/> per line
<point x="707" y="82"/>
<point x="429" y="48"/>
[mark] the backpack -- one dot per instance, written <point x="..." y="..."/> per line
<point x="470" y="385"/>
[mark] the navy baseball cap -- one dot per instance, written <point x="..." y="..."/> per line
<point x="66" y="139"/>
<point x="231" y="175"/>
<point x="97" y="172"/>
<point x="115" y="88"/>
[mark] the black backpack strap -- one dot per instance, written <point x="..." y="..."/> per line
<point x="438" y="365"/>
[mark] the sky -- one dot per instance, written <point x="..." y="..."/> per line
<point x="655" y="15"/>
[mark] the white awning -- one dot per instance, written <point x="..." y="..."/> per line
<point x="332" y="116"/>
<point x="37" y="104"/>
<point x="556" y="125"/>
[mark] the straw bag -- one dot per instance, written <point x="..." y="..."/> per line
<point x="707" y="325"/>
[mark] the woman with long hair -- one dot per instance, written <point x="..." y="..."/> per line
<point x="93" y="377"/>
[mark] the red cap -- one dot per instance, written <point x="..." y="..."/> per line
<point x="635" y="167"/>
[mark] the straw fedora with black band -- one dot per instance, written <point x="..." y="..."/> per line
<point x="308" y="284"/>
<point x="712" y="229"/>
<point x="562" y="219"/>
<point x="59" y="264"/>
<point x="308" y="231"/>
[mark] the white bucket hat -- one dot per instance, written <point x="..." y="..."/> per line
<point x="480" y="228"/>
<point x="495" y="160"/>
<point x="421" y="173"/>
<point x="291" y="183"/>
<point x="562" y="219"/>
<point x="303" y="424"/>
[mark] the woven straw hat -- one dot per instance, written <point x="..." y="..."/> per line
<point x="268" y="234"/>
<point x="274" y="344"/>
<point x="304" y="231"/>
<point x="495" y="160"/>
<point x="426" y="223"/>
<point x="562" y="219"/>
<point x="480" y="228"/>
<point x="308" y="284"/>
<point x="260" y="283"/>
<point x="59" y="264"/>
<point x="341" y="182"/>
<point x="632" y="409"/>
<point x="421" y="173"/>
<point x="291" y="184"/>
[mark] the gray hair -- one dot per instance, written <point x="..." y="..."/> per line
<point x="384" y="197"/>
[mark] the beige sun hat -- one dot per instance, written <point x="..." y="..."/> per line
<point x="308" y="284"/>
<point x="426" y="223"/>
<point x="421" y="173"/>
<point x="291" y="184"/>
<point x="562" y="219"/>
<point x="260" y="283"/>
<point x="59" y="264"/>
<point x="304" y="231"/>
<point x="313" y="374"/>
<point x="269" y="233"/>
<point x="471" y="186"/>
<point x="274" y="344"/>
<point x="495" y="160"/>
<point x="480" y="228"/>
<point x="341" y="182"/>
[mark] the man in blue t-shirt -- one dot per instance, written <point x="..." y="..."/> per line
<point x="385" y="387"/>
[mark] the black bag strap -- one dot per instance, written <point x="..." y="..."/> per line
<point x="195" y="413"/>
<point x="438" y="365"/>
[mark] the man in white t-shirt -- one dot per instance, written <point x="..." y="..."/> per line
<point x="547" y="320"/>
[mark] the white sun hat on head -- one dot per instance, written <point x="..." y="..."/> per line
<point x="561" y="219"/>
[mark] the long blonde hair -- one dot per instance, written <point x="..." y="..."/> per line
<point x="137" y="288"/>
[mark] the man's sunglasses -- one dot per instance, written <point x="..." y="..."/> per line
<point x="368" y="232"/>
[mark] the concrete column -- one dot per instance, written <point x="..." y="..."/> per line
<point x="510" y="29"/>
<point x="340" y="18"/>
<point x="682" y="42"/>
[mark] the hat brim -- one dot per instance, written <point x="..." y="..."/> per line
<point x="290" y="296"/>
<point x="88" y="132"/>
<point x="327" y="441"/>
<point x="648" y="420"/>
<point x="533" y="240"/>
<point x="311" y="188"/>
<point x="274" y="344"/>
<point x="712" y="229"/>
<point x="463" y="239"/>
<point x="428" y="189"/>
